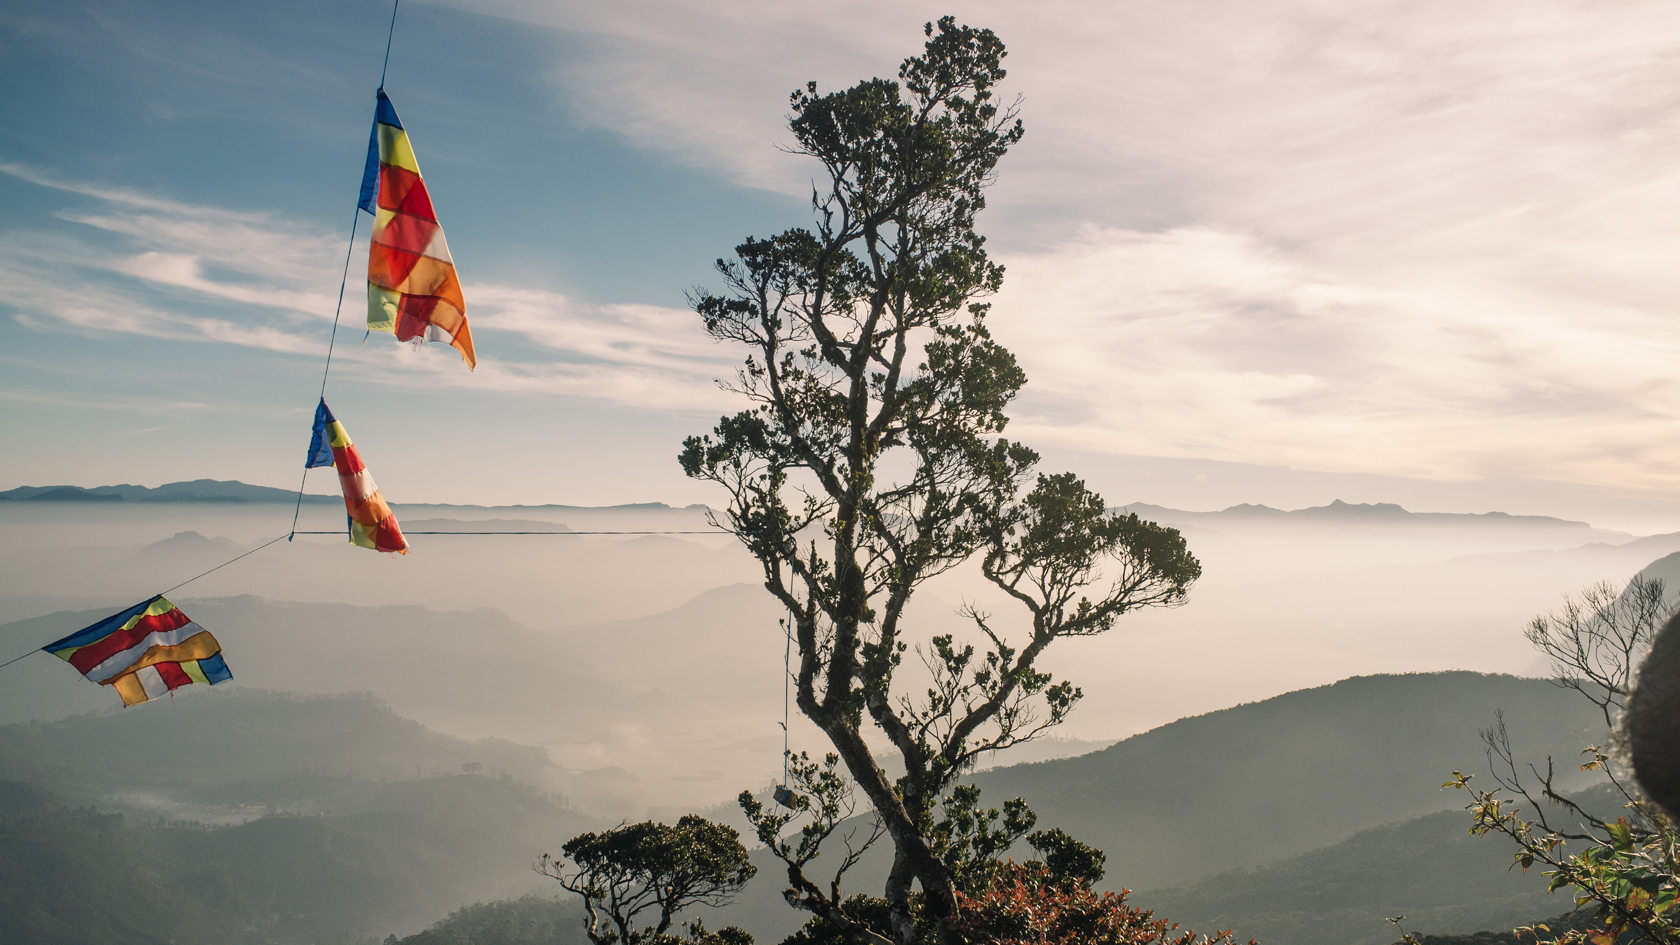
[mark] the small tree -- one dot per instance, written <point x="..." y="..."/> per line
<point x="1629" y="868"/>
<point x="1034" y="904"/>
<point x="872" y="461"/>
<point x="1595" y="641"/>
<point x="653" y="867"/>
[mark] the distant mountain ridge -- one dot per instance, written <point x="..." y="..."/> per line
<point x="196" y="490"/>
<point x="234" y="491"/>
<point x="1345" y="513"/>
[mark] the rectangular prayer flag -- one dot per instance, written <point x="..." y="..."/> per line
<point x="412" y="286"/>
<point x="371" y="523"/>
<point x="144" y="652"/>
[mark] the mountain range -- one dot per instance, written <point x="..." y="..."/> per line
<point x="1384" y="513"/>
<point x="234" y="491"/>
<point x="243" y="815"/>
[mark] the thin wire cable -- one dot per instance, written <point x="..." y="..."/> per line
<point x="340" y="531"/>
<point x="344" y="280"/>
<point x="222" y="565"/>
<point x="338" y="310"/>
<point x="299" y="509"/>
<point x="176" y="587"/>
<point x="15" y="659"/>
<point x="389" y="33"/>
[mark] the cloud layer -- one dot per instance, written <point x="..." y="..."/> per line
<point x="145" y="266"/>
<point x="1416" y="238"/>
<point x="1431" y="239"/>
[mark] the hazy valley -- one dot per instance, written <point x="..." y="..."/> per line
<point x="588" y="679"/>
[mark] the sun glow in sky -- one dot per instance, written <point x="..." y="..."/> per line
<point x="1419" y="252"/>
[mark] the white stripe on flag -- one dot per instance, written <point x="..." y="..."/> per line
<point x="358" y="486"/>
<point x="117" y="662"/>
<point x="151" y="681"/>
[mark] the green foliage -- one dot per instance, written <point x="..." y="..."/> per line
<point x="868" y="911"/>
<point x="1067" y="858"/>
<point x="833" y="318"/>
<point x="1628" y="869"/>
<point x="970" y="841"/>
<point x="650" y="866"/>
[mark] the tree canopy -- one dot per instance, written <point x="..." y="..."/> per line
<point x="871" y="459"/>
<point x="653" y="868"/>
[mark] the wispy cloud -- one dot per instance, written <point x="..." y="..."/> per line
<point x="149" y="405"/>
<point x="1197" y="342"/>
<point x="1418" y="238"/>
<point x="153" y="280"/>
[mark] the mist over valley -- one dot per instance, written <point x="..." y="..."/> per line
<point x="594" y="679"/>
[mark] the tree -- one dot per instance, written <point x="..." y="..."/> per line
<point x="1629" y="868"/>
<point x="624" y="872"/>
<point x="872" y="460"/>
<point x="1594" y="642"/>
<point x="1033" y="904"/>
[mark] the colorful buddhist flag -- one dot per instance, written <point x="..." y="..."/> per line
<point x="145" y="651"/>
<point x="412" y="286"/>
<point x="371" y="523"/>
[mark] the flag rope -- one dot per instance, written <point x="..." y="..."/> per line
<point x="340" y="531"/>
<point x="343" y="281"/>
<point x="178" y="586"/>
<point x="388" y="35"/>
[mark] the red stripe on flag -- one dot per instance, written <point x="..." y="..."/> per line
<point x="389" y="267"/>
<point x="347" y="460"/>
<point x="102" y="649"/>
<point x="388" y="537"/>
<point x="410" y="234"/>
<point x="416" y="315"/>
<point x="173" y="675"/>
<point x="402" y="190"/>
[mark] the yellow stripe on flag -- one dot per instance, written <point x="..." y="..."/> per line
<point x="382" y="309"/>
<point x="129" y="689"/>
<point x="394" y="149"/>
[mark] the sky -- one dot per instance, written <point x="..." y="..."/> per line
<point x="1417" y="252"/>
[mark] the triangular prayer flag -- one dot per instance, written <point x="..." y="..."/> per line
<point x="371" y="523"/>
<point x="412" y="286"/>
<point x="144" y="652"/>
<point x="320" y="441"/>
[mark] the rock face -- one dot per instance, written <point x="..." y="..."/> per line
<point x="1653" y="720"/>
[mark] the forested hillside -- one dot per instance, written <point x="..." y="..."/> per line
<point x="245" y="816"/>
<point x="1292" y="776"/>
<point x="1429" y="869"/>
<point x="1256" y="782"/>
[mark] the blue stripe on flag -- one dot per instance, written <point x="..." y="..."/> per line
<point x="214" y="669"/>
<point x="320" y="445"/>
<point x="100" y="630"/>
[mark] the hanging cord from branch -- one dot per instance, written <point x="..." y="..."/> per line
<point x="178" y="586"/>
<point x="787" y="692"/>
